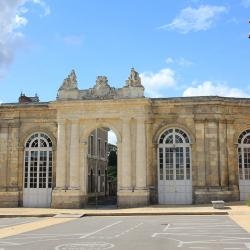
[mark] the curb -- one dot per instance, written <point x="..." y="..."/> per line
<point x="113" y="214"/>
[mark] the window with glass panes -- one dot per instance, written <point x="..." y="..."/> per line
<point x="244" y="155"/>
<point x="38" y="162"/>
<point x="174" y="155"/>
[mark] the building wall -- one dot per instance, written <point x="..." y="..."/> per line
<point x="213" y="124"/>
<point x="17" y="123"/>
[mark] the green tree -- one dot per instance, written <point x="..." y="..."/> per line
<point x="112" y="166"/>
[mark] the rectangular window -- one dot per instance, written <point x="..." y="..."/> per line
<point x="99" y="147"/>
<point x="92" y="146"/>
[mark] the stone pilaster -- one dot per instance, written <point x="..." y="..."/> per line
<point x="4" y="133"/>
<point x="232" y="156"/>
<point x="12" y="176"/>
<point x="126" y="171"/>
<point x="9" y="134"/>
<point x="72" y="196"/>
<point x="61" y="156"/>
<point x="200" y="162"/>
<point x="211" y="149"/>
<point x="141" y="157"/>
<point x="74" y="156"/>
<point x="84" y="168"/>
<point x="222" y="133"/>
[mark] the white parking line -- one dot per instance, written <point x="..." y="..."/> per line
<point x="99" y="230"/>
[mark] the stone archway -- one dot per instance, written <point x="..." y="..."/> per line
<point x="79" y="112"/>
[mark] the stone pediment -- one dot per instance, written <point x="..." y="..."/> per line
<point x="101" y="90"/>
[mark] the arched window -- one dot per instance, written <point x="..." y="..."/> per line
<point x="38" y="162"/>
<point x="244" y="155"/>
<point x="174" y="155"/>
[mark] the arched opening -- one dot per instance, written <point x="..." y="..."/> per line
<point x="37" y="181"/>
<point x="244" y="164"/>
<point x="174" y="167"/>
<point x="102" y="167"/>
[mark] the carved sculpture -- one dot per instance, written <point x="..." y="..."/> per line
<point x="101" y="89"/>
<point x="70" y="82"/>
<point x="134" y="79"/>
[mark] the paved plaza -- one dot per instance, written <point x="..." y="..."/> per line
<point x="215" y="232"/>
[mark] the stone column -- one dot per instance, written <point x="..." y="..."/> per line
<point x="74" y="156"/>
<point x="141" y="170"/>
<point x="126" y="172"/>
<point x="61" y="156"/>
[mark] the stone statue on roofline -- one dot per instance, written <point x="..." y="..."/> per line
<point x="70" y="82"/>
<point x="101" y="82"/>
<point x="134" y="79"/>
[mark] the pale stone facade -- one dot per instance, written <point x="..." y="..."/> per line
<point x="211" y="127"/>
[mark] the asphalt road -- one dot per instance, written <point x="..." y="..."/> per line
<point x="135" y="232"/>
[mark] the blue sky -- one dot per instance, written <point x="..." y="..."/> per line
<point x="180" y="48"/>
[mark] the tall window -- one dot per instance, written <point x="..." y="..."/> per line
<point x="244" y="155"/>
<point x="38" y="162"/>
<point x="174" y="155"/>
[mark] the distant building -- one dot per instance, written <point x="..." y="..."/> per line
<point x="183" y="150"/>
<point x="97" y="162"/>
<point x="28" y="99"/>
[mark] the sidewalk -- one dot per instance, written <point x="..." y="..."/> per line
<point x="234" y="208"/>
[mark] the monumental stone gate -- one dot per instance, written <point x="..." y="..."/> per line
<point x="170" y="150"/>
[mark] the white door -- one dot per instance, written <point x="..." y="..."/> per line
<point x="38" y="172"/>
<point x="174" y="169"/>
<point x="244" y="165"/>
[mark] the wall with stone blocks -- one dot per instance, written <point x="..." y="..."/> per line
<point x="212" y="123"/>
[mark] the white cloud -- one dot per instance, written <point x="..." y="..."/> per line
<point x="191" y="19"/>
<point x="44" y="6"/>
<point x="156" y="83"/>
<point x="209" y="88"/>
<point x="183" y="62"/>
<point x="12" y="20"/>
<point x="245" y="3"/>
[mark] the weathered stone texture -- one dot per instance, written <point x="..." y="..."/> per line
<point x="212" y="123"/>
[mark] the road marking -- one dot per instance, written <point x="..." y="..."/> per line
<point x="166" y="228"/>
<point x="198" y="247"/>
<point x="31" y="226"/>
<point x="99" y="230"/>
<point x="85" y="245"/>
